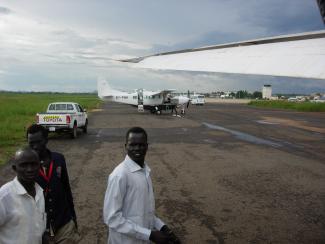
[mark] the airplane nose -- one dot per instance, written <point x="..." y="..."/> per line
<point x="180" y="100"/>
<point x="183" y="100"/>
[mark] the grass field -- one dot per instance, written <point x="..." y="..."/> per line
<point x="17" y="111"/>
<point x="298" y="106"/>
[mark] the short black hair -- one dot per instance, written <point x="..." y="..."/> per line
<point x="138" y="130"/>
<point x="24" y="149"/>
<point x="34" y="128"/>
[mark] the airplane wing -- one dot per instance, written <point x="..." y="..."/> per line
<point x="162" y="92"/>
<point x="300" y="55"/>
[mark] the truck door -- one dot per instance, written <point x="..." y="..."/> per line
<point x="82" y="117"/>
<point x="78" y="115"/>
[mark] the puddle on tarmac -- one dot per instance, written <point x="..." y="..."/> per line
<point x="244" y="136"/>
<point x="265" y="122"/>
<point x="209" y="141"/>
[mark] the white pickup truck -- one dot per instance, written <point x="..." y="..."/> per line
<point x="64" y="116"/>
<point x="198" y="99"/>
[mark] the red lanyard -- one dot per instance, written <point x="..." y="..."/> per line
<point x="47" y="177"/>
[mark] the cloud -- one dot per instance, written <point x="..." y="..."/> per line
<point x="252" y="20"/>
<point x="4" y="11"/>
<point x="42" y="43"/>
<point x="29" y="39"/>
<point x="3" y="72"/>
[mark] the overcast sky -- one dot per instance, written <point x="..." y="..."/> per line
<point x="67" y="45"/>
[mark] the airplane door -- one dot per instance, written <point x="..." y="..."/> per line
<point x="140" y="100"/>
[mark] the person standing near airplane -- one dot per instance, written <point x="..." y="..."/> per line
<point x="22" y="206"/>
<point x="129" y="206"/>
<point x="53" y="178"/>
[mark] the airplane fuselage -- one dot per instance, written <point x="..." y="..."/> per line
<point x="132" y="98"/>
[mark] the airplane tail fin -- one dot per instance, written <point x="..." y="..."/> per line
<point x="103" y="88"/>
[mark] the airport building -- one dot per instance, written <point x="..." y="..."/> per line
<point x="267" y="92"/>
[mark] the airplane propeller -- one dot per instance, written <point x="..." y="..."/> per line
<point x="189" y="98"/>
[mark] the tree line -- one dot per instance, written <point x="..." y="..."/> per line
<point x="238" y="94"/>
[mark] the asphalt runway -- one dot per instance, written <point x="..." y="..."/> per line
<point x="225" y="173"/>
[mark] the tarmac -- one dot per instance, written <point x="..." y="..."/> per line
<point x="223" y="173"/>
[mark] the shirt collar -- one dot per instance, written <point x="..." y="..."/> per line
<point x="20" y="189"/>
<point x="133" y="166"/>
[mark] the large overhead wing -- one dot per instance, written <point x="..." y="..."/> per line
<point x="300" y="55"/>
<point x="162" y="92"/>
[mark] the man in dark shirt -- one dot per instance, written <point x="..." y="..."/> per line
<point x="53" y="178"/>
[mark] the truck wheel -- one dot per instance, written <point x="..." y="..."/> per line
<point x="84" y="129"/>
<point x="74" y="131"/>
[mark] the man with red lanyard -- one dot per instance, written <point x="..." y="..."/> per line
<point x="53" y="178"/>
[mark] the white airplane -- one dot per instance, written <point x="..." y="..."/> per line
<point x="155" y="101"/>
<point x="300" y="55"/>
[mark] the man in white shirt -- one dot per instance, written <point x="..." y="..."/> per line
<point x="129" y="205"/>
<point x="22" y="207"/>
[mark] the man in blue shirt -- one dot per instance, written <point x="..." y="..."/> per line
<point x="53" y="178"/>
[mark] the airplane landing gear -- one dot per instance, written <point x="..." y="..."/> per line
<point x="157" y="110"/>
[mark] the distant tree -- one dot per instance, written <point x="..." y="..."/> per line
<point x="242" y="94"/>
<point x="232" y="94"/>
<point x="257" y="94"/>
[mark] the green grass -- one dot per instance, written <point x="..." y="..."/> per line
<point x="298" y="106"/>
<point x="17" y="111"/>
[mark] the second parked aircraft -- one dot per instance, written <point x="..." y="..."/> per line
<point x="155" y="101"/>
